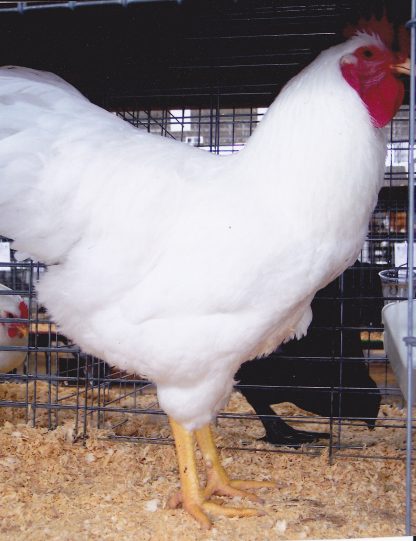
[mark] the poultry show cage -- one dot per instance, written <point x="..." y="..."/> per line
<point x="206" y="102"/>
<point x="58" y="381"/>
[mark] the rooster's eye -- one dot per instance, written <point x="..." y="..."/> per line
<point x="367" y="53"/>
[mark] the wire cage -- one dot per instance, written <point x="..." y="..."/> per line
<point x="341" y="364"/>
<point x="334" y="390"/>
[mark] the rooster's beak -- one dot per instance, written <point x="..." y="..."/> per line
<point x="22" y="329"/>
<point x="404" y="67"/>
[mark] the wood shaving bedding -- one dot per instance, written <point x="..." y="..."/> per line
<point x="99" y="489"/>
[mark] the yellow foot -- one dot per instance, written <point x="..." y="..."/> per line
<point x="195" y="500"/>
<point x="219" y="483"/>
<point x="199" y="509"/>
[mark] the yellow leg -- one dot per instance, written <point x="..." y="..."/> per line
<point x="218" y="481"/>
<point x="192" y="497"/>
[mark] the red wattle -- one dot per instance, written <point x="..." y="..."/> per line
<point x="12" y="331"/>
<point x="384" y="100"/>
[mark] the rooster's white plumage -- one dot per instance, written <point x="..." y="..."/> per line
<point x="178" y="264"/>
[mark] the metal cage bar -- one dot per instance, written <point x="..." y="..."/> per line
<point x="410" y="340"/>
<point x="23" y="7"/>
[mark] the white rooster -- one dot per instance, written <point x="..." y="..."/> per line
<point x="12" y="333"/>
<point x="181" y="265"/>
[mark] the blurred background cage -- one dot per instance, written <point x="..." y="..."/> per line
<point x="206" y="77"/>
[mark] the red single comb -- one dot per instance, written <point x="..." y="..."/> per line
<point x="382" y="27"/>
<point x="399" y="41"/>
<point x="403" y="39"/>
<point x="24" y="312"/>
